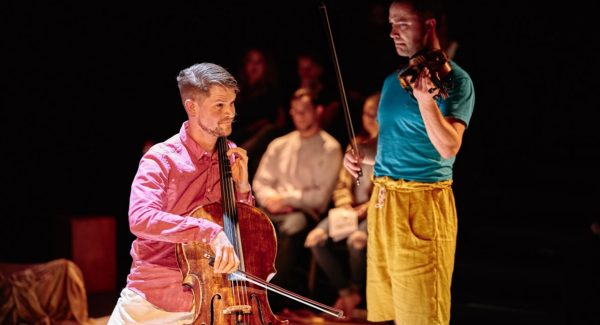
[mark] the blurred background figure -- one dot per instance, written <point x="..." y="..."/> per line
<point x="595" y="227"/>
<point x="147" y="145"/>
<point x="448" y="43"/>
<point x="261" y="116"/>
<point x="293" y="186"/>
<point x="350" y="285"/>
<point x="313" y="75"/>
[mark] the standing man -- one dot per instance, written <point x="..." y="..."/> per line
<point x="175" y="177"/>
<point x="294" y="182"/>
<point x="412" y="220"/>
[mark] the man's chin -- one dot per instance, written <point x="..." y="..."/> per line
<point x="225" y="131"/>
<point x="401" y="50"/>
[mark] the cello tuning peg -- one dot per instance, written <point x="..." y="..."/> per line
<point x="431" y="90"/>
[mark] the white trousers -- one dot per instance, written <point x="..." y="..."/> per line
<point x="131" y="308"/>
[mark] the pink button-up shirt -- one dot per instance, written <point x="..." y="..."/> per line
<point x="174" y="178"/>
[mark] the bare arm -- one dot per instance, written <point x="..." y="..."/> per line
<point x="445" y="133"/>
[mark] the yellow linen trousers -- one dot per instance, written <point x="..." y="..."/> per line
<point x="410" y="252"/>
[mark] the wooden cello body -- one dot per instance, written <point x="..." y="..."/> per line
<point x="222" y="298"/>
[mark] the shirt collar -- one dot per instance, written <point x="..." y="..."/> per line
<point x="189" y="142"/>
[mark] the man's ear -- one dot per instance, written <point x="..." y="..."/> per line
<point x="430" y="25"/>
<point x="190" y="107"/>
<point x="320" y="109"/>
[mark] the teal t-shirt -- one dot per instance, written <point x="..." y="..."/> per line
<point x="404" y="150"/>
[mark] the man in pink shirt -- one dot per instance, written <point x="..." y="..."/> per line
<point x="175" y="177"/>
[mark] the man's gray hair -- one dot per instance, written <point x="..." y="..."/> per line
<point x="200" y="77"/>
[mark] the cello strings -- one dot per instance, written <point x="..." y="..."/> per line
<point x="240" y="251"/>
<point x="228" y="194"/>
<point x="234" y="213"/>
<point x="225" y="193"/>
<point x="227" y="204"/>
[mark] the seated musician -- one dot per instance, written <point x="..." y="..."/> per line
<point x="175" y="177"/>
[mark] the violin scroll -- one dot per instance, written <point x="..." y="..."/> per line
<point x="437" y="62"/>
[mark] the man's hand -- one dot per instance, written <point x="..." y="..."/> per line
<point x="315" y="237"/>
<point x="352" y="163"/>
<point x="226" y="261"/>
<point x="239" y="169"/>
<point x="358" y="239"/>
<point x="361" y="210"/>
<point x="421" y="87"/>
<point x="275" y="205"/>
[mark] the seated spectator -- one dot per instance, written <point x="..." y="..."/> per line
<point x="311" y="73"/>
<point x="293" y="185"/>
<point x="261" y="116"/>
<point x="350" y="196"/>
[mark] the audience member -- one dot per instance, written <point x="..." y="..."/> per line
<point x="294" y="182"/>
<point x="447" y="41"/>
<point x="595" y="227"/>
<point x="350" y="196"/>
<point x="312" y="75"/>
<point x="261" y="116"/>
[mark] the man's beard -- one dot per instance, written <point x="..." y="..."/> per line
<point x="216" y="132"/>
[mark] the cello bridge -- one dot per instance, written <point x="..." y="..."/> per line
<point x="244" y="309"/>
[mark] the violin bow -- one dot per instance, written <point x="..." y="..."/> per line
<point x="336" y="65"/>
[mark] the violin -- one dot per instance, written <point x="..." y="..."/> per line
<point x="437" y="62"/>
<point x="240" y="297"/>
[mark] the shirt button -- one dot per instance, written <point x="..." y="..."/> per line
<point x="204" y="240"/>
<point x="208" y="190"/>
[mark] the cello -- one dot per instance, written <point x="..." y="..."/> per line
<point x="239" y="297"/>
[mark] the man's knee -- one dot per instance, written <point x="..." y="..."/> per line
<point x="294" y="223"/>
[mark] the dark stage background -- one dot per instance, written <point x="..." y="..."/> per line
<point x="85" y="84"/>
